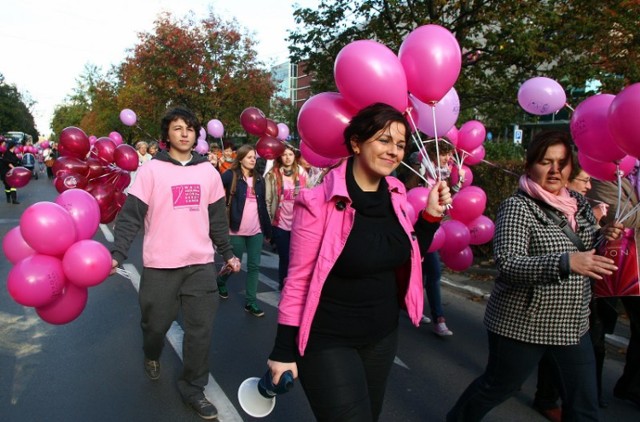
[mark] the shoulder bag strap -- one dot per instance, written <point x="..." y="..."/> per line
<point x="564" y="225"/>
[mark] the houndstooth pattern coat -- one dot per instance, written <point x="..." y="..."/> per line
<point x="530" y="301"/>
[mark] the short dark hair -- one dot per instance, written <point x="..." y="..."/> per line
<point x="178" y="113"/>
<point x="372" y="119"/>
<point x="542" y="141"/>
<point x="444" y="147"/>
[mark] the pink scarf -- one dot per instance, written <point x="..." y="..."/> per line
<point x="563" y="202"/>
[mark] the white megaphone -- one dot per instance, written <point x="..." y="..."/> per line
<point x="257" y="396"/>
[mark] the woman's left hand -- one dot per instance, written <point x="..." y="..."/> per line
<point x="612" y="231"/>
<point x="438" y="200"/>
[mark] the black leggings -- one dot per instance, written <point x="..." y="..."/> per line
<point x="348" y="383"/>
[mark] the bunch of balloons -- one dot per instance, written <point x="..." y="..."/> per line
<point x="54" y="259"/>
<point x="101" y="166"/>
<point x="272" y="135"/>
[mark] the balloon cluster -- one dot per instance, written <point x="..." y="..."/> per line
<point x="100" y="166"/>
<point x="272" y="135"/>
<point x="54" y="259"/>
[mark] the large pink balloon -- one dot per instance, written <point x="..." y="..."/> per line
<point x="367" y="72"/>
<point x="418" y="198"/>
<point x="272" y="129"/>
<point x="541" y="96"/>
<point x="269" y="147"/>
<point x="215" y="128"/>
<point x="475" y="156"/>
<point x="86" y="263"/>
<point x="18" y="177"/>
<point x="431" y="58"/>
<point x="468" y="204"/>
<point x="589" y="127"/>
<point x="446" y="113"/>
<point x="458" y="261"/>
<point x="67" y="307"/>
<point x="36" y="280"/>
<point x="412" y="214"/>
<point x="322" y="121"/>
<point x="15" y="247"/>
<point x="128" y="117"/>
<point x="84" y="211"/>
<point x="481" y="230"/>
<point x="457" y="235"/>
<point x="116" y="138"/>
<point x="605" y="171"/>
<point x="283" y="131"/>
<point x="471" y="135"/>
<point x="126" y="157"/>
<point x="314" y="159"/>
<point x="73" y="142"/>
<point x="104" y="149"/>
<point x="624" y="123"/>
<point x="455" y="176"/>
<point x="253" y="121"/>
<point x="48" y="228"/>
<point x="439" y="238"/>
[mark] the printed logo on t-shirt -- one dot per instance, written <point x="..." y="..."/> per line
<point x="186" y="196"/>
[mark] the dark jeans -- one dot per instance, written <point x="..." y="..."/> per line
<point x="346" y="383"/>
<point x="164" y="292"/>
<point x="282" y="239"/>
<point x="431" y="273"/>
<point x="512" y="361"/>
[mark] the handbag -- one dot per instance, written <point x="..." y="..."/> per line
<point x="623" y="282"/>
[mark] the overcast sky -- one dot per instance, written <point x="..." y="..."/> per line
<point x="45" y="44"/>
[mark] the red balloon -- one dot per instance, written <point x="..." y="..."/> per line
<point x="67" y="307"/>
<point x="109" y="214"/>
<point x="103" y="149"/>
<point x="272" y="129"/>
<point x="73" y="143"/>
<point x="126" y="157"/>
<point x="67" y="180"/>
<point x="269" y="148"/>
<point x="18" y="177"/>
<point x="37" y="280"/>
<point x="253" y="121"/>
<point x="70" y="165"/>
<point x="96" y="168"/>
<point x="104" y="194"/>
<point x="123" y="179"/>
<point x="120" y="197"/>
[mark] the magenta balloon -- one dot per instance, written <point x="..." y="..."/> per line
<point x="471" y="135"/>
<point x="66" y="180"/>
<point x="104" y="195"/>
<point x="458" y="261"/>
<point x="468" y="204"/>
<point x="92" y="140"/>
<point x="624" y="123"/>
<point x="126" y="157"/>
<point x="367" y="72"/>
<point x="589" y="127"/>
<point x="605" y="171"/>
<point x="73" y="142"/>
<point x="411" y="213"/>
<point x="70" y="165"/>
<point x="541" y="96"/>
<point x="48" y="228"/>
<point x="128" y="117"/>
<point x="322" y="121"/>
<point x="36" y="280"/>
<point x="253" y="121"/>
<point x="215" y="128"/>
<point x="15" y="247"/>
<point x="18" y="177"/>
<point x="476" y="156"/>
<point x="481" y="230"/>
<point x="86" y="263"/>
<point x="66" y="308"/>
<point x="272" y="129"/>
<point x="431" y="58"/>
<point x="439" y="238"/>
<point x="314" y="159"/>
<point x="457" y="235"/>
<point x="446" y="113"/>
<point x="269" y="148"/>
<point x="84" y="211"/>
<point x="455" y="176"/>
<point x="283" y="131"/>
<point x="96" y="168"/>
<point x="116" y="138"/>
<point x="418" y="198"/>
<point x="122" y="180"/>
<point x="103" y="149"/>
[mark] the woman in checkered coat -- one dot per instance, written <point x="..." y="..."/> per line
<point x="540" y="302"/>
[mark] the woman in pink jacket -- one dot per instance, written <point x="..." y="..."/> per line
<point x="355" y="262"/>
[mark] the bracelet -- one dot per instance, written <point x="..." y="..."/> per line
<point x="430" y="218"/>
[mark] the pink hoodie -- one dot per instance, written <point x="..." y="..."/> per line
<point x="322" y="221"/>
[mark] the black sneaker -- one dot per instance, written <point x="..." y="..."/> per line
<point x="152" y="368"/>
<point x="203" y="407"/>
<point x="253" y="309"/>
<point x="223" y="292"/>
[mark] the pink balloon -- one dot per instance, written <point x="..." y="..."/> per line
<point x="86" y="263"/>
<point x="84" y="211"/>
<point x="458" y="261"/>
<point x="446" y="113"/>
<point x="589" y="127"/>
<point x="471" y="135"/>
<point x="203" y="134"/>
<point x="468" y="204"/>
<point x="541" y="96"/>
<point x="367" y="72"/>
<point x="322" y="121"/>
<point x="468" y="176"/>
<point x="128" y="117"/>
<point x="476" y="156"/>
<point x="283" y="131"/>
<point x="411" y="213"/>
<point x="605" y="171"/>
<point x="481" y="230"/>
<point x="116" y="138"/>
<point x="269" y="147"/>
<point x="457" y="235"/>
<point x="431" y="58"/>
<point x="103" y="149"/>
<point x="202" y="147"/>
<point x="314" y="159"/>
<point x="48" y="228"/>
<point x="126" y="157"/>
<point x="439" y="238"/>
<point x="18" y="177"/>
<point x="15" y="247"/>
<point x="253" y="121"/>
<point x="36" y="280"/>
<point x="66" y="308"/>
<point x="92" y="140"/>
<point x="624" y="123"/>
<point x="418" y="198"/>
<point x="215" y="128"/>
<point x="73" y="142"/>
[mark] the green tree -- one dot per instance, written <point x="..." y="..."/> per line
<point x="15" y="113"/>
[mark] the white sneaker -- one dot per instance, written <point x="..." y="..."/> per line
<point x="426" y="319"/>
<point x="440" y="328"/>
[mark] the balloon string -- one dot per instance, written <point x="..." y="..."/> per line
<point x="124" y="273"/>
<point x="417" y="173"/>
<point x="435" y="131"/>
<point x="567" y="105"/>
<point x="619" y="180"/>
<point x="421" y="149"/>
<point x="145" y="132"/>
